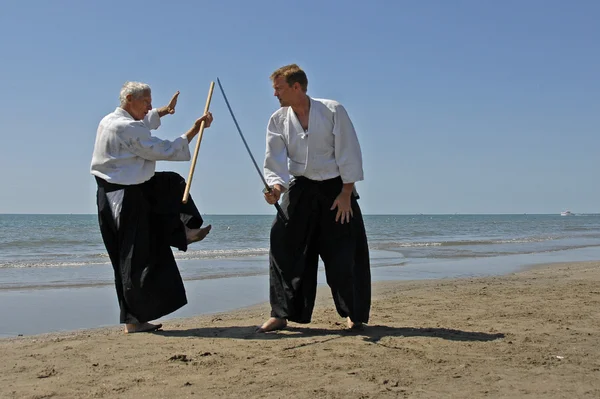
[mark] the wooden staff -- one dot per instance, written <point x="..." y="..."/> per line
<point x="186" y="193"/>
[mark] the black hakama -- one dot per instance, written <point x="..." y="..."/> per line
<point x="312" y="232"/>
<point x="147" y="279"/>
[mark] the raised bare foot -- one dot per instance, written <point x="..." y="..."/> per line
<point x="195" y="235"/>
<point x="354" y="326"/>
<point x="141" y="327"/>
<point x="273" y="324"/>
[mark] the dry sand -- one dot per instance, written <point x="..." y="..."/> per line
<point x="530" y="334"/>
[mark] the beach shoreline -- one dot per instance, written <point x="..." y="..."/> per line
<point x="32" y="311"/>
<point x="532" y="333"/>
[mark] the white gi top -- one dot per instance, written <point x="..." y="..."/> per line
<point x="126" y="152"/>
<point x="329" y="148"/>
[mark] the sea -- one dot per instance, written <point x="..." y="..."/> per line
<point x="52" y="264"/>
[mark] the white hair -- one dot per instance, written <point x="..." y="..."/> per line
<point x="136" y="89"/>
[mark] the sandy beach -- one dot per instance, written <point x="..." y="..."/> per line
<point x="528" y="334"/>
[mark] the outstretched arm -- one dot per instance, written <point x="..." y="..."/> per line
<point x="138" y="139"/>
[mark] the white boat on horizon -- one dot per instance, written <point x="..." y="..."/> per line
<point x="566" y="213"/>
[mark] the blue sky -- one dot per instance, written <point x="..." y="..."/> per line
<point x="460" y="106"/>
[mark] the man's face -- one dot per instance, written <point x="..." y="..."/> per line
<point x="283" y="91"/>
<point x="140" y="106"/>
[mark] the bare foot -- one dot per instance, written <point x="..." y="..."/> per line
<point x="195" y="235"/>
<point x="141" y="327"/>
<point x="273" y="324"/>
<point x="354" y="326"/>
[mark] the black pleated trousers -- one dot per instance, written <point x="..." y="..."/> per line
<point x="147" y="279"/>
<point x="312" y="232"/>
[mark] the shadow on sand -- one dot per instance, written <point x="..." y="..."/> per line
<point x="372" y="333"/>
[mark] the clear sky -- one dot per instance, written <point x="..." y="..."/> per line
<point x="460" y="106"/>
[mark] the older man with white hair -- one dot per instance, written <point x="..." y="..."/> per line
<point x="140" y="211"/>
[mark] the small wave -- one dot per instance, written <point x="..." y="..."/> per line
<point x="222" y="253"/>
<point x="471" y="255"/>
<point x="389" y="245"/>
<point x="580" y="228"/>
<point x="70" y="260"/>
<point x="408" y="244"/>
<point x="29" y="264"/>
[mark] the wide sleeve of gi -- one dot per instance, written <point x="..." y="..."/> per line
<point x="136" y="137"/>
<point x="348" y="154"/>
<point x="152" y="119"/>
<point x="275" y="167"/>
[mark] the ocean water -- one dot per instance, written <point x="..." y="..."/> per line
<point x="55" y="274"/>
<point x="50" y="251"/>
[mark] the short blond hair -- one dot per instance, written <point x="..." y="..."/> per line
<point x="292" y="74"/>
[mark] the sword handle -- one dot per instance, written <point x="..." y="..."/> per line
<point x="280" y="213"/>
<point x="268" y="189"/>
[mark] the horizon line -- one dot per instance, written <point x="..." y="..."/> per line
<point x="364" y="214"/>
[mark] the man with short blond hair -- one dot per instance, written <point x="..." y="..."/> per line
<point x="313" y="158"/>
<point x="292" y="74"/>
